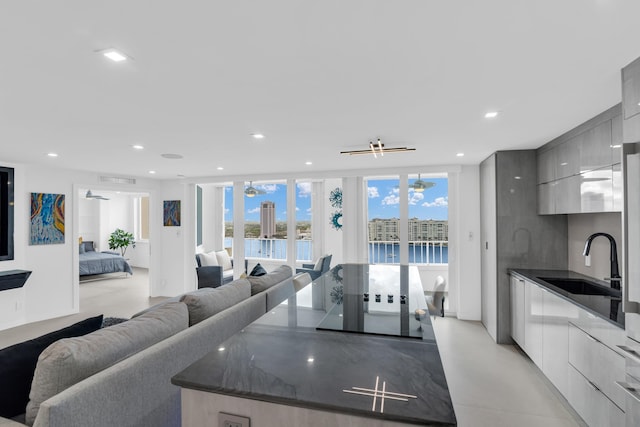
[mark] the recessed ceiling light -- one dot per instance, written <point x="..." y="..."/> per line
<point x="257" y="135"/>
<point x="517" y="177"/>
<point x="52" y="154"/>
<point x="114" y="55"/>
<point x="616" y="146"/>
<point x="220" y="168"/>
<point x="172" y="156"/>
<point x="460" y="154"/>
<point x="310" y="359"/>
<point x="308" y="163"/>
<point x="491" y="115"/>
<point x="137" y="147"/>
<point x="152" y="172"/>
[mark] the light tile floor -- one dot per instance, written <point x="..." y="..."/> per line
<point x="496" y="385"/>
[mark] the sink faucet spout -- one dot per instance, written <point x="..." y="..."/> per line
<point x="613" y="257"/>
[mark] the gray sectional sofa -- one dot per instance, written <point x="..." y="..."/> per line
<point x="150" y="348"/>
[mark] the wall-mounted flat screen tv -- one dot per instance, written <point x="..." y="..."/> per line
<point x="6" y="213"/>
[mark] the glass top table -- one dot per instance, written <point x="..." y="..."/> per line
<point x="371" y="299"/>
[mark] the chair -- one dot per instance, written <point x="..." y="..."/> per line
<point x="301" y="280"/>
<point x="316" y="270"/>
<point x="435" y="302"/>
<point x="212" y="276"/>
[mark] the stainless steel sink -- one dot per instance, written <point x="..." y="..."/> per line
<point x="581" y="287"/>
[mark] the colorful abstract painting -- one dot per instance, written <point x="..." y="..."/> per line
<point x="172" y="213"/>
<point x="47" y="219"/>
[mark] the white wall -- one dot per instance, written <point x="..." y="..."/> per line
<point x="464" y="246"/>
<point x="52" y="289"/>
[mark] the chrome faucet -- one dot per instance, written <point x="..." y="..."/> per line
<point x="615" y="274"/>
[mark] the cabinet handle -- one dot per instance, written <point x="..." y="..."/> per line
<point x="629" y="352"/>
<point x="631" y="389"/>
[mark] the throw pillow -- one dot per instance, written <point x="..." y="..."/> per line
<point x="318" y="265"/>
<point x="224" y="260"/>
<point x="82" y="250"/>
<point x="258" y="270"/>
<point x="18" y="362"/>
<point x="71" y="360"/>
<point x="208" y="260"/>
<point x="262" y="283"/>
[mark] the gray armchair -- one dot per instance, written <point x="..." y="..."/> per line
<point x="324" y="264"/>
<point x="212" y="276"/>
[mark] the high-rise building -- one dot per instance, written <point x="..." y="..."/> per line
<point x="419" y="229"/>
<point x="267" y="219"/>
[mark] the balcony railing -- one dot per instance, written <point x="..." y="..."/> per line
<point x="420" y="252"/>
<point x="380" y="252"/>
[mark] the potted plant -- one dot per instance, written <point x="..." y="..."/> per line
<point x="121" y="239"/>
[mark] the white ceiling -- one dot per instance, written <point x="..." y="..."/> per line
<point x="316" y="77"/>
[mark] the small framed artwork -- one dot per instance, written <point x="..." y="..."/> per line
<point x="171" y="213"/>
<point x="47" y="219"/>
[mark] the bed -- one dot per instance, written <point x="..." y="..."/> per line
<point x="92" y="262"/>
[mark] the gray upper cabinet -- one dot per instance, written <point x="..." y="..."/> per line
<point x="579" y="171"/>
<point x="631" y="101"/>
<point x="595" y="148"/>
<point x="567" y="158"/>
<point x="546" y="166"/>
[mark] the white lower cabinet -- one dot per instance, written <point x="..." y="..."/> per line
<point x="517" y="310"/>
<point x="555" y="343"/>
<point x="591" y="404"/>
<point x="594" y="370"/>
<point x="533" y="321"/>
<point x="583" y="368"/>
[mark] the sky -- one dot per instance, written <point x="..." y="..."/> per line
<point x="383" y="200"/>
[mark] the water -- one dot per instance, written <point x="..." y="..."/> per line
<point x="379" y="253"/>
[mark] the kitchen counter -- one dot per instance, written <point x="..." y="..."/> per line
<point x="284" y="358"/>
<point x="605" y="307"/>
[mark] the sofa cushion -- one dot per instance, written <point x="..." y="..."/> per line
<point x="18" y="362"/>
<point x="224" y="260"/>
<point x="158" y="305"/>
<point x="208" y="260"/>
<point x="261" y="283"/>
<point x="71" y="360"/>
<point x="206" y="302"/>
<point x="258" y="271"/>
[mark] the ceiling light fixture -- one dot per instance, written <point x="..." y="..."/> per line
<point x="113" y="54"/>
<point x="220" y="168"/>
<point x="137" y="147"/>
<point x="257" y="135"/>
<point x="308" y="163"/>
<point x="491" y="115"/>
<point x="52" y="154"/>
<point x="152" y="172"/>
<point x="376" y="148"/>
<point x="460" y="154"/>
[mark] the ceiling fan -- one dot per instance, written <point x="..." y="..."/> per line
<point x="90" y="195"/>
<point x="420" y="185"/>
<point x="252" y="191"/>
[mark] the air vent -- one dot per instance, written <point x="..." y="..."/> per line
<point x="117" y="180"/>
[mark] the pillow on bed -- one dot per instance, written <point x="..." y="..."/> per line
<point x="82" y="249"/>
<point x="88" y="246"/>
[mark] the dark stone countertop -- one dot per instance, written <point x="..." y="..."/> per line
<point x="283" y="358"/>
<point x="605" y="307"/>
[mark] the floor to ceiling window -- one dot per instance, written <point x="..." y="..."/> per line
<point x="265" y="227"/>
<point x="428" y="222"/>
<point x="427" y="219"/>
<point x="304" y="229"/>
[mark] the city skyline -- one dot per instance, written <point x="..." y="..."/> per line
<point x="383" y="200"/>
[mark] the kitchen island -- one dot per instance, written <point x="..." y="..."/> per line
<point x="284" y="369"/>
